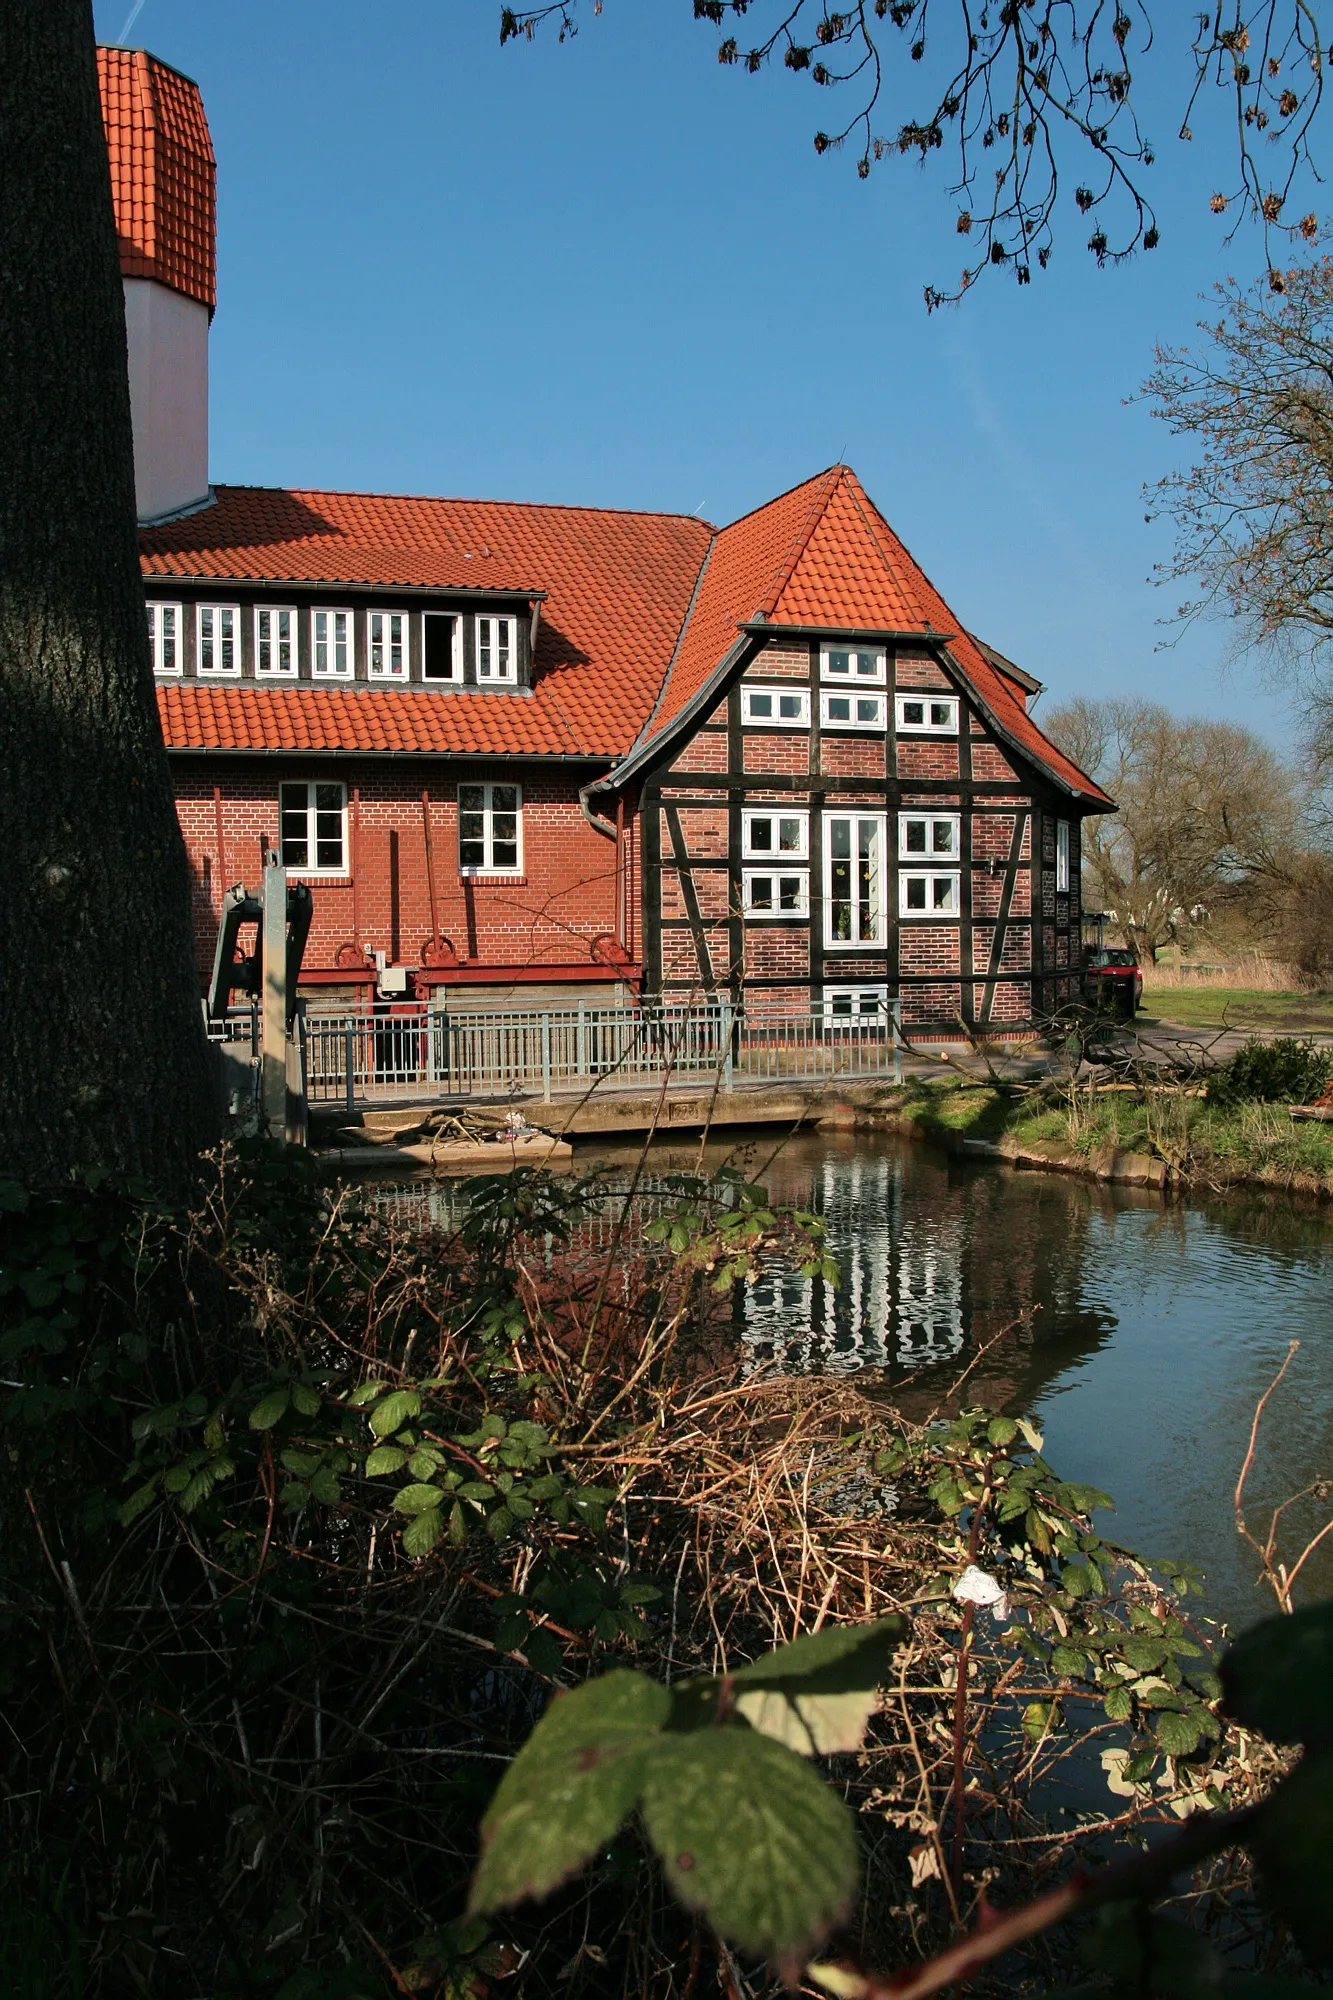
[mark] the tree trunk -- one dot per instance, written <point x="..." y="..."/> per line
<point x="103" y="1061"/>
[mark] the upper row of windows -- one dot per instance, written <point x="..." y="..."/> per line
<point x="789" y="708"/>
<point x="331" y="643"/>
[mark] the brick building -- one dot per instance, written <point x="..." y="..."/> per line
<point x="539" y="753"/>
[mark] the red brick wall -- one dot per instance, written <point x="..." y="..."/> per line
<point x="918" y="757"/>
<point x="914" y="672"/>
<point x="782" y="750"/>
<point x="779" y="660"/>
<point x="853" y="756"/>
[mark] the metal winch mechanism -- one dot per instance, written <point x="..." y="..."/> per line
<point x="268" y="977"/>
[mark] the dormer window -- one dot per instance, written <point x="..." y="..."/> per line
<point x="219" y="640"/>
<point x="164" y="637"/>
<point x="441" y="646"/>
<point x="331" y="645"/>
<point x="386" y="639"/>
<point x="497" y="650"/>
<point x="275" y="642"/>
<point x="854" y="666"/>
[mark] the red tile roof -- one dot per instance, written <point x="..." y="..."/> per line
<point x="163" y="174"/>
<point x="641" y="611"/>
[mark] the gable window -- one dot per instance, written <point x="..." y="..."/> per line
<point x="776" y="892"/>
<point x="490" y="829"/>
<point x="164" y="637"/>
<point x="386" y="644"/>
<point x="776" y="708"/>
<point x="331" y="645"/>
<point x="1062" y="857"/>
<point x="497" y="650"/>
<point x="314" y="828"/>
<point x="275" y="641"/>
<point x="854" y="879"/>
<point x="441" y="646"/>
<point x="865" y="1006"/>
<point x="863" y="665"/>
<point x="928" y="714"/>
<point x="775" y="836"/>
<point x="219" y="650"/>
<point x="928" y="836"/>
<point x="926" y="893"/>
<point x="853" y="711"/>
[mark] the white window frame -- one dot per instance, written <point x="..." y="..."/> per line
<point x="933" y="911"/>
<point x="455" y="675"/>
<point x="487" y="866"/>
<point x="312" y="866"/>
<point x="380" y="628"/>
<point x="488" y="618"/>
<point x="881" y="907"/>
<point x="878" y="704"/>
<point x="801" y="719"/>
<point x="775" y="916"/>
<point x="271" y="612"/>
<point x="1062" y="857"/>
<point x="217" y="638"/>
<point x="774" y="857"/>
<point x="876" y="676"/>
<point x="930" y="699"/>
<point x="931" y="856"/>
<point x="158" y="639"/>
<point x="331" y="643"/>
<point x="829" y="995"/>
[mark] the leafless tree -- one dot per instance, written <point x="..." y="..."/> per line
<point x="1011" y="86"/>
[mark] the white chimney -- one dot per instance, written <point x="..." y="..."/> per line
<point x="163" y="182"/>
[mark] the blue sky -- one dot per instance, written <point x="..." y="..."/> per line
<point x="615" y="273"/>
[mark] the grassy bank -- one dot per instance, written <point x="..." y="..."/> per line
<point x="1239" y="1007"/>
<point x="1202" y="1145"/>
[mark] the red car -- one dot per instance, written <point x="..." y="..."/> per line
<point x="1113" y="979"/>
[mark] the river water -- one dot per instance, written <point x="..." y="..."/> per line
<point x="1142" y="1332"/>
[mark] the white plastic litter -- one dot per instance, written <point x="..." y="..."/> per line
<point x="974" y="1586"/>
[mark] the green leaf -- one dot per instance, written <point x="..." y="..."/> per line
<point x="1178" y="1733"/>
<point x="415" y="1499"/>
<point x="305" y="1399"/>
<point x="1143" y="1654"/>
<point x="132" y="1508"/>
<point x="393" y="1411"/>
<point x="366" y="1392"/>
<point x="1293" y="1844"/>
<point x="385" y="1458"/>
<point x="1082" y="1499"/>
<point x="566" y="1794"/>
<point x="817" y="1694"/>
<point x="1001" y="1431"/>
<point x="423" y="1532"/>
<point x="269" y="1410"/>
<point x="1276" y="1678"/>
<point x="753" y="1837"/>
<point x="1118" y="1704"/>
<point x="1067" y="1660"/>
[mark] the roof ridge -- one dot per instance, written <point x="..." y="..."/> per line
<point x="470" y="500"/>
<point x="647" y="728"/>
<point x="801" y="541"/>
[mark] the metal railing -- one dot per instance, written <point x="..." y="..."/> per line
<point x="412" y="1054"/>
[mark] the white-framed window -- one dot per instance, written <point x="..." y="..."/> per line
<point x="853" y="710"/>
<point x="774" y="835"/>
<point x="441" y="646"/>
<point x="927" y="714"/>
<point x="331" y="650"/>
<point x="1062" y="857"/>
<point x="490" y="830"/>
<point x="855" y="880"/>
<point x="776" y="708"/>
<point x="386" y="645"/>
<point x="275" y="642"/>
<point x="861" y="665"/>
<point x="926" y="837"/>
<point x="218" y="640"/>
<point x="497" y="649"/>
<point x="164" y="637"/>
<point x="313" y="826"/>
<point x="865" y="1005"/>
<point x="927" y="892"/>
<point x="775" y="892"/>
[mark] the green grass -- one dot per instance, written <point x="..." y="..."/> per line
<point x="1256" y="1142"/>
<point x="1238" y="1007"/>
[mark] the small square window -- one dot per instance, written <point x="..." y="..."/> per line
<point x="775" y="836"/>
<point x="386" y="645"/>
<point x="928" y="714"/>
<point x="218" y="654"/>
<point x="164" y="638"/>
<point x="275" y="642"/>
<point x="856" y="1006"/>
<point x="852" y="710"/>
<point x="497" y="650"/>
<point x="923" y="893"/>
<point x="331" y="655"/>
<point x="775" y="892"/>
<point x="776" y="708"/>
<point x="859" y="665"/>
<point x="928" y="836"/>
<point x="441" y="646"/>
<point x="313" y="828"/>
